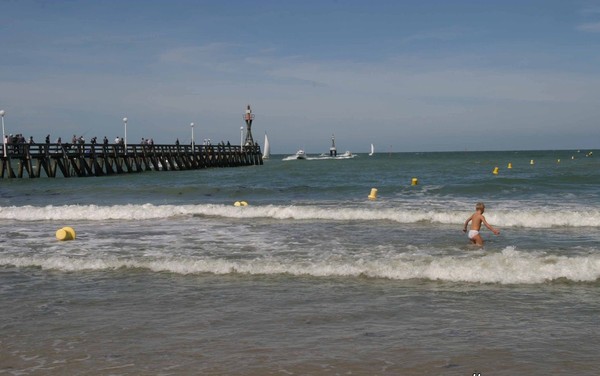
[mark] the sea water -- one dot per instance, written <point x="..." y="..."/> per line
<point x="167" y="276"/>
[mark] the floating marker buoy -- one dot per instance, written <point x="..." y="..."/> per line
<point x="237" y="203"/>
<point x="414" y="181"/>
<point x="495" y="172"/>
<point x="65" y="233"/>
<point x="61" y="234"/>
<point x="531" y="162"/>
<point x="70" y="231"/>
<point x="558" y="161"/>
<point x="373" y="194"/>
<point x="240" y="203"/>
<point x="509" y="165"/>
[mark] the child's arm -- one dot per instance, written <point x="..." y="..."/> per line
<point x="492" y="229"/>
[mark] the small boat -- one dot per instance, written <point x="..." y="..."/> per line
<point x="300" y="154"/>
<point x="267" y="148"/>
<point x="372" y="150"/>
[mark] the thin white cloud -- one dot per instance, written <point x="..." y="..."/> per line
<point x="590" y="10"/>
<point x="436" y="35"/>
<point x="440" y="81"/>
<point x="194" y="54"/>
<point x="593" y="27"/>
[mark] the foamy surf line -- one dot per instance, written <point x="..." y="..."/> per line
<point x="507" y="267"/>
<point x="535" y="218"/>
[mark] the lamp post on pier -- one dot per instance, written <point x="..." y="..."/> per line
<point x="125" y="138"/>
<point x="193" y="143"/>
<point x="242" y="138"/>
<point x="2" y="112"/>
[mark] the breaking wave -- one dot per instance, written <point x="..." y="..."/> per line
<point x="506" y="267"/>
<point x="534" y="218"/>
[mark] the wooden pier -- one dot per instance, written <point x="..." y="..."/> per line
<point x="82" y="160"/>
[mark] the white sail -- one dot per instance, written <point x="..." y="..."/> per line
<point x="267" y="148"/>
<point x="372" y="150"/>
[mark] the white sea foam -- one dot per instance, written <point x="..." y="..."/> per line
<point x="507" y="267"/>
<point x="541" y="218"/>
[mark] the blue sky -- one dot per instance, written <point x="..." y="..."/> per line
<point x="404" y="75"/>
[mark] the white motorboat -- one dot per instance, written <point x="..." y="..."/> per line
<point x="300" y="154"/>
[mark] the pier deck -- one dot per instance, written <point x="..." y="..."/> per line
<point x="83" y="160"/>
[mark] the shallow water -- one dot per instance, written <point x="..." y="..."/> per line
<point x="167" y="277"/>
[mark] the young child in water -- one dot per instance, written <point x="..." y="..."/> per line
<point x="477" y="219"/>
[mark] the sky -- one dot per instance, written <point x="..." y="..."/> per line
<point x="407" y="76"/>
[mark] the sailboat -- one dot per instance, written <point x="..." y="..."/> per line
<point x="372" y="150"/>
<point x="267" y="148"/>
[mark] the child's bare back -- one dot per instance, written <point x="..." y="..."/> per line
<point x="476" y="220"/>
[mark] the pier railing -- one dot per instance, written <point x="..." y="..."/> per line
<point x="81" y="160"/>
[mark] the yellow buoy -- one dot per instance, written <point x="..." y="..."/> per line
<point x="558" y="161"/>
<point x="70" y="231"/>
<point x="414" y="181"/>
<point x="65" y="233"/>
<point x="531" y="162"/>
<point x="243" y="203"/>
<point x="237" y="203"/>
<point x="509" y="165"/>
<point x="61" y="234"/>
<point x="495" y="172"/>
<point x="373" y="194"/>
